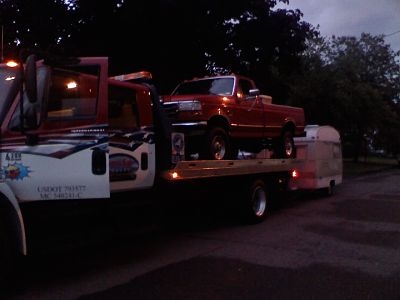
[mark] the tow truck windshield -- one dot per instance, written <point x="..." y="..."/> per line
<point x="9" y="83"/>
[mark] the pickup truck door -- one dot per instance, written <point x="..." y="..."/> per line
<point x="65" y="155"/>
<point x="249" y="114"/>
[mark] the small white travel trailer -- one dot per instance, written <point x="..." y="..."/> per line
<point x="320" y="155"/>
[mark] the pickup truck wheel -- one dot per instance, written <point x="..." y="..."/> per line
<point x="285" y="147"/>
<point x="217" y="146"/>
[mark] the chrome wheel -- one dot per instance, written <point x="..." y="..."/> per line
<point x="259" y="199"/>
<point x="218" y="147"/>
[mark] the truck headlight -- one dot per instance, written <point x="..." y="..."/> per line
<point x="189" y="105"/>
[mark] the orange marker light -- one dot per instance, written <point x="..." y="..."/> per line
<point x="12" y="63"/>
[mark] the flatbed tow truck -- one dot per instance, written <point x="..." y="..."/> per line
<point x="70" y="133"/>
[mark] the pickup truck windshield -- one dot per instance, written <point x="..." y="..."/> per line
<point x="213" y="86"/>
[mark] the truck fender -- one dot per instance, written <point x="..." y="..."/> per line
<point x="10" y="213"/>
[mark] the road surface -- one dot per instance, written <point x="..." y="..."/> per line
<point x="346" y="246"/>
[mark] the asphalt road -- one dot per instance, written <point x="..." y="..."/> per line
<point x="342" y="247"/>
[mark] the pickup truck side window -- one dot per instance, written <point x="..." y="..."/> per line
<point x="244" y="88"/>
<point x="122" y="108"/>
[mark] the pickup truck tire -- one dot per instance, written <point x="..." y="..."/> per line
<point x="217" y="145"/>
<point x="285" y="146"/>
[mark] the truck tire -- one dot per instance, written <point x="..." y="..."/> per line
<point x="285" y="146"/>
<point x="6" y="256"/>
<point x="255" y="202"/>
<point x="217" y="145"/>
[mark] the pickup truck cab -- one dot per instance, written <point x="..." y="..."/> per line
<point x="222" y="114"/>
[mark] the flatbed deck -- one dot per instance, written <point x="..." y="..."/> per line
<point x="185" y="170"/>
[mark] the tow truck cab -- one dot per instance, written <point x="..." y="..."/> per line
<point x="73" y="133"/>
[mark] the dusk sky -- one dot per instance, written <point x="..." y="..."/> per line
<point x="352" y="17"/>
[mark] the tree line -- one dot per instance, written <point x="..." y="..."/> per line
<point x="351" y="83"/>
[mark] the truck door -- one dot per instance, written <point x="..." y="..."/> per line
<point x="64" y="155"/>
<point x="132" y="142"/>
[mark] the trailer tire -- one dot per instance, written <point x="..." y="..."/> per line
<point x="255" y="202"/>
<point x="329" y="190"/>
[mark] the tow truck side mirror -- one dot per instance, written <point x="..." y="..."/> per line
<point x="30" y="78"/>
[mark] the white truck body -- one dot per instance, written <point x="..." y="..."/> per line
<point x="320" y="156"/>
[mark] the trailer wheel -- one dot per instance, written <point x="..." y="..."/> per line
<point x="256" y="202"/>
<point x="329" y="190"/>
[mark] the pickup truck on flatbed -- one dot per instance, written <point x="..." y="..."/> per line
<point x="221" y="115"/>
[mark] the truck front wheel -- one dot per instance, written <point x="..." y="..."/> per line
<point x="6" y="257"/>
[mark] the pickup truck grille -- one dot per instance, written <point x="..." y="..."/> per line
<point x="171" y="110"/>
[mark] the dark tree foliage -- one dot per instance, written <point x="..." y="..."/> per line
<point x="174" y="39"/>
<point x="265" y="45"/>
<point x="28" y="25"/>
<point x="352" y="84"/>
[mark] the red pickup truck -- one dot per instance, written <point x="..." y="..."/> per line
<point x="221" y="115"/>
